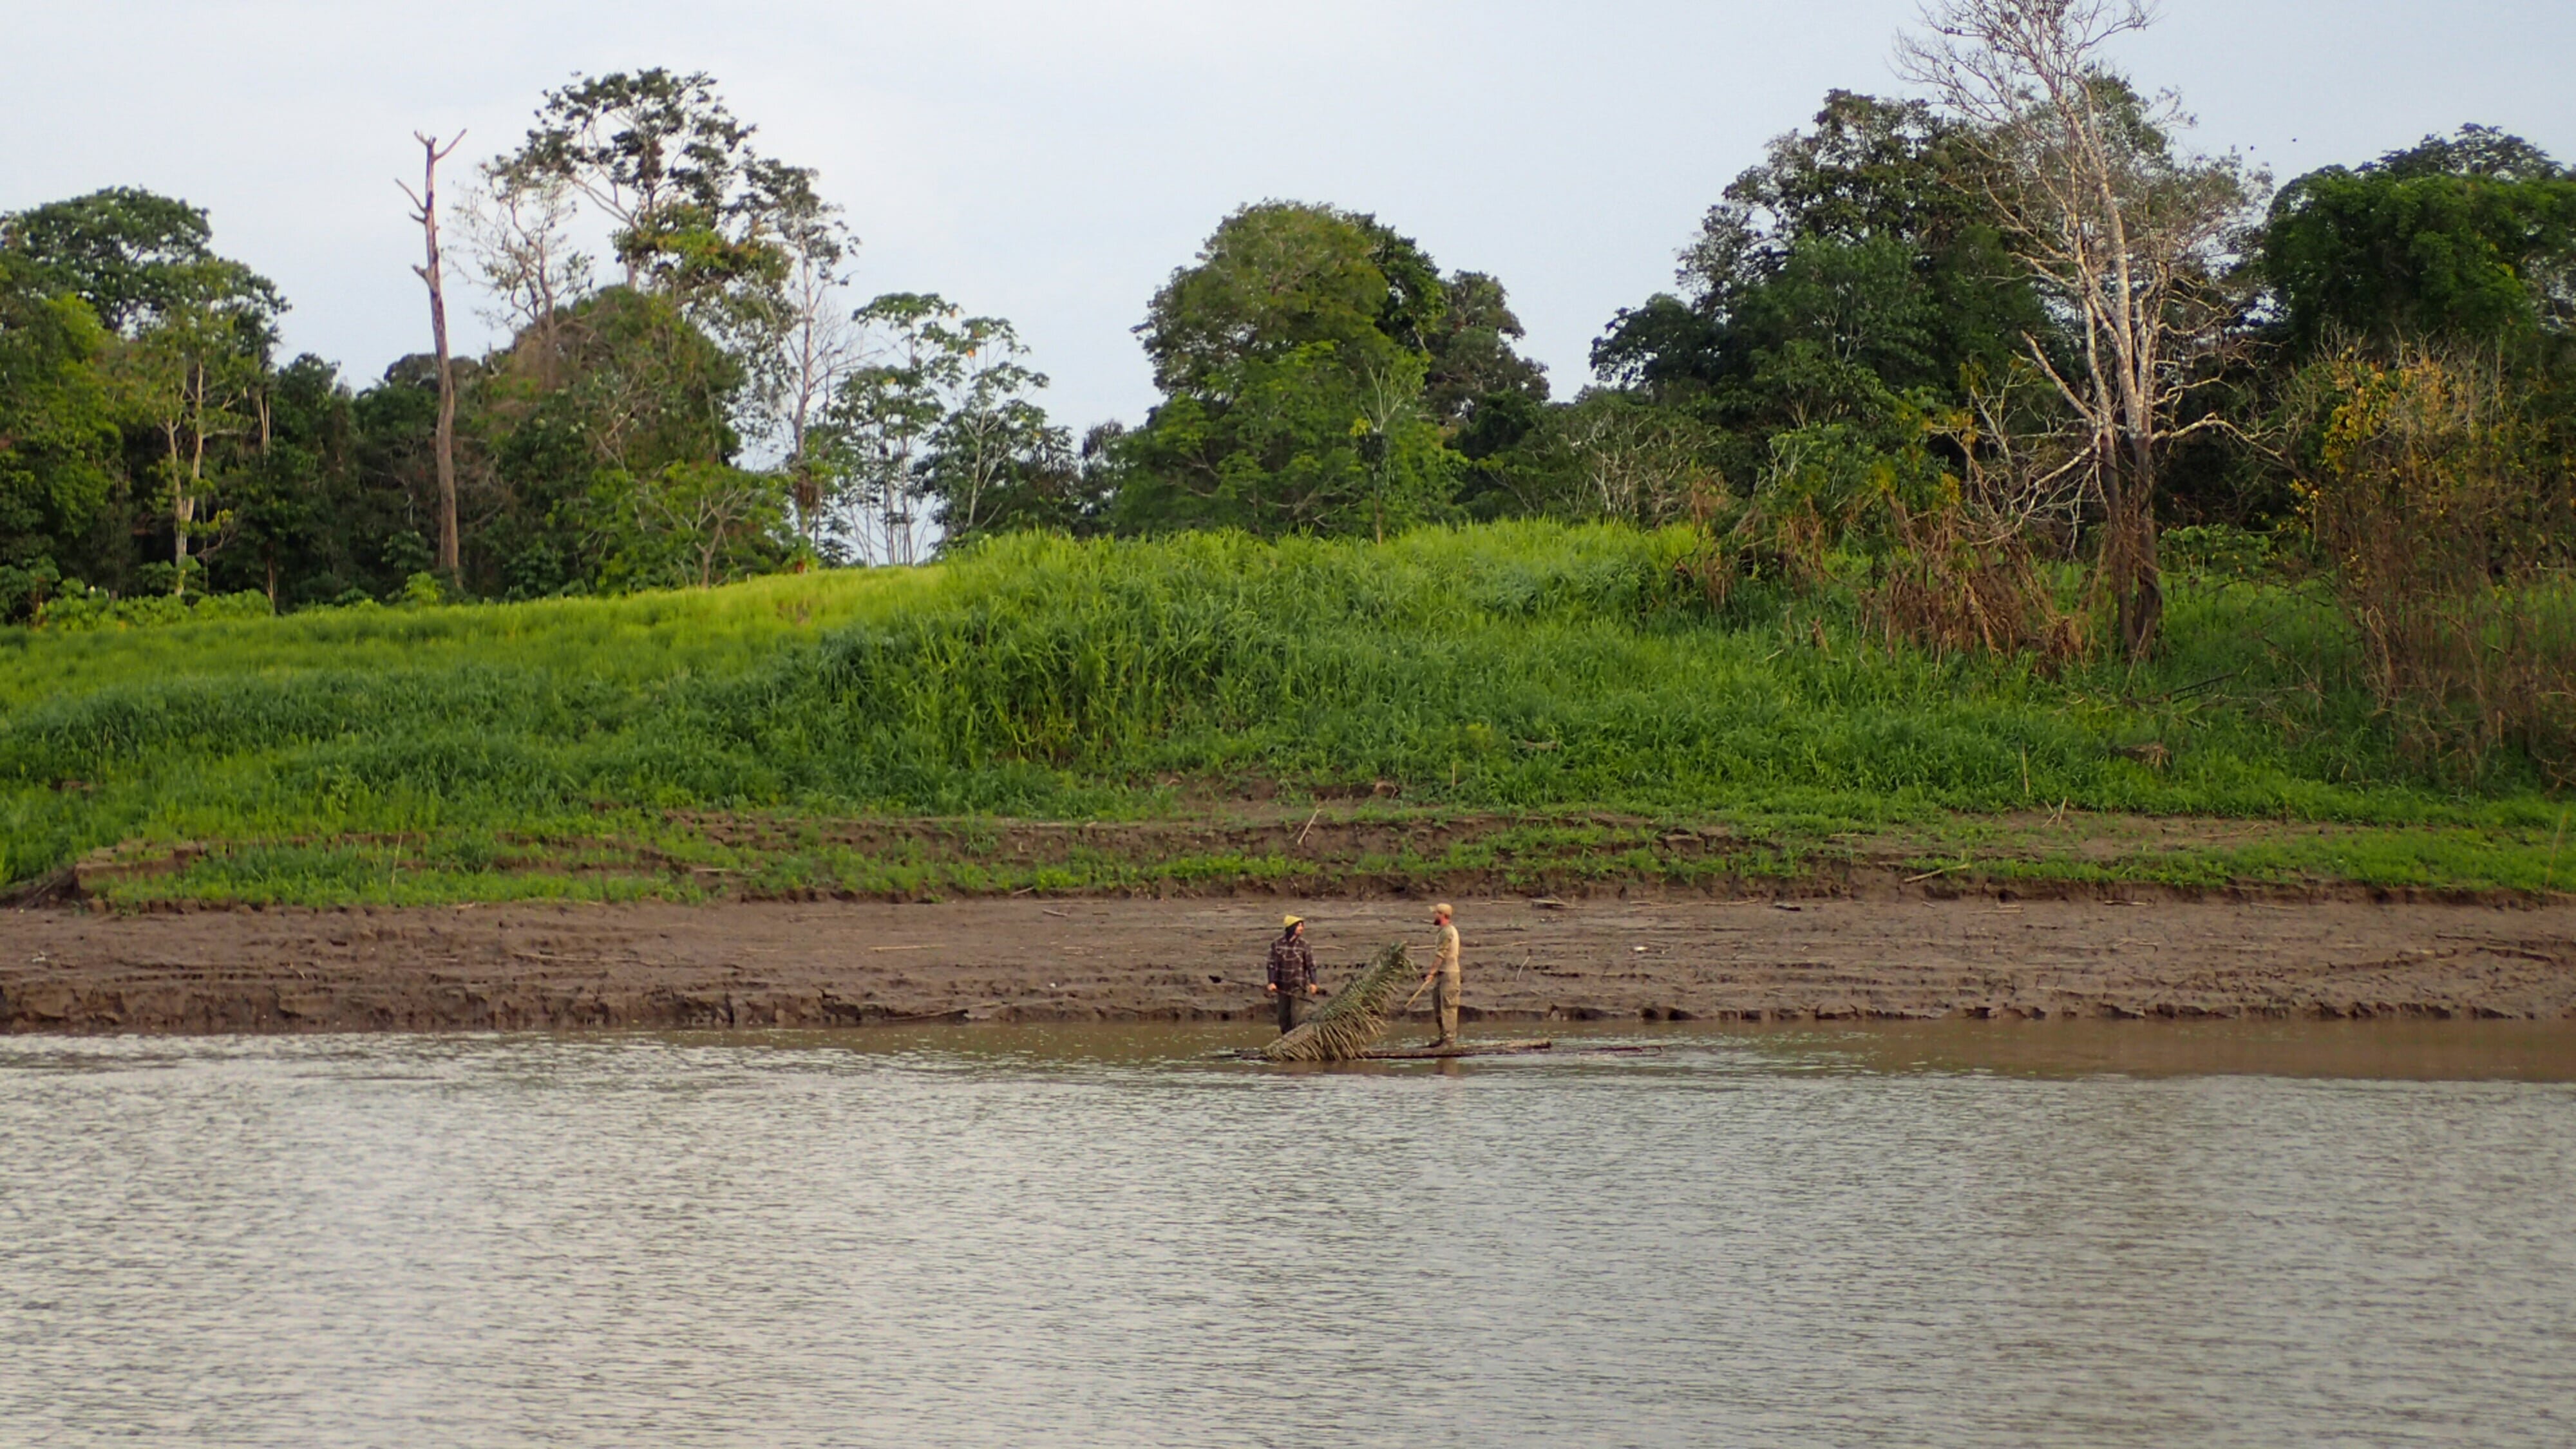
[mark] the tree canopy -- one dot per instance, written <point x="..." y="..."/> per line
<point x="1317" y="371"/>
<point x="1855" y="263"/>
<point x="2470" y="236"/>
<point x="1906" y="332"/>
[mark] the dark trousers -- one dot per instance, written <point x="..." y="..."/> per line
<point x="1287" y="1011"/>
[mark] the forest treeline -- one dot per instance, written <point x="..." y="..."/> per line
<point x="1976" y="354"/>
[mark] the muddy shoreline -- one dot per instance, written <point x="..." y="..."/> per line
<point x="822" y="964"/>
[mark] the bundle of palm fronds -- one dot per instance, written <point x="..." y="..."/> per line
<point x="1352" y="1019"/>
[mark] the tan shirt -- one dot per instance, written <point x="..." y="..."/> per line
<point x="1446" y="962"/>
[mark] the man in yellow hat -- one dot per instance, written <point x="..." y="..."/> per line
<point x="1443" y="978"/>
<point x="1292" y="970"/>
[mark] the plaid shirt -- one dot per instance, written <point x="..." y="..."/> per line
<point x="1292" y="963"/>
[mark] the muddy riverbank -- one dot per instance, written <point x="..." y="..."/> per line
<point x="826" y="964"/>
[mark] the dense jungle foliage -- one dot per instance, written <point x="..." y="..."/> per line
<point x="1970" y="413"/>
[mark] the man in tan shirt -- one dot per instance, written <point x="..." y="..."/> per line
<point x="1443" y="977"/>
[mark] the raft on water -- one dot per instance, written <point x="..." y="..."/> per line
<point x="1462" y="1049"/>
<point x="1352" y="1020"/>
<point x="1347" y="1026"/>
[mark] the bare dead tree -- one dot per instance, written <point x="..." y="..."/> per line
<point x="2124" y="235"/>
<point x="516" y="227"/>
<point x="425" y="211"/>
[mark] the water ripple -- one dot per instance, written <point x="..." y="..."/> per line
<point x="879" y="1240"/>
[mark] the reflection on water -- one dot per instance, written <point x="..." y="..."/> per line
<point x="1929" y="1235"/>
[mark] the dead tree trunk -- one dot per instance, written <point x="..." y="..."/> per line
<point x="444" y="442"/>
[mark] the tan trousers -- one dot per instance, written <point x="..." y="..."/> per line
<point x="1444" y="1005"/>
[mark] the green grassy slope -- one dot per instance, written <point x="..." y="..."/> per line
<point x="1523" y="668"/>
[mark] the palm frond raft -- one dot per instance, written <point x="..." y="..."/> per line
<point x="1353" y="1019"/>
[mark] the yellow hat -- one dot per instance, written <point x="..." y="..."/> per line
<point x="1442" y="909"/>
<point x="1285" y="921"/>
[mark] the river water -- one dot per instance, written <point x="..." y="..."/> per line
<point x="1999" y="1235"/>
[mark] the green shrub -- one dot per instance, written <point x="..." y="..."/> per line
<point x="2217" y="551"/>
<point x="97" y="609"/>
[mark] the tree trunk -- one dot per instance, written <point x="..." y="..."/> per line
<point x="2129" y="565"/>
<point x="183" y="511"/>
<point x="443" y="443"/>
<point x="178" y="497"/>
<point x="2142" y="612"/>
<point x="183" y="506"/>
<point x="2142" y="592"/>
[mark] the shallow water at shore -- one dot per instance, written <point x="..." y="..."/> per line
<point x="1942" y="1234"/>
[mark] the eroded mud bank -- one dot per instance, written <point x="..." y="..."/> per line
<point x="810" y="964"/>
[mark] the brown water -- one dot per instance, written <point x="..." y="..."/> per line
<point x="1956" y="1235"/>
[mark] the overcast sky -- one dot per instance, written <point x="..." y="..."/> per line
<point x="1052" y="162"/>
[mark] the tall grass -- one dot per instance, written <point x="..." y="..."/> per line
<point x="1520" y="665"/>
